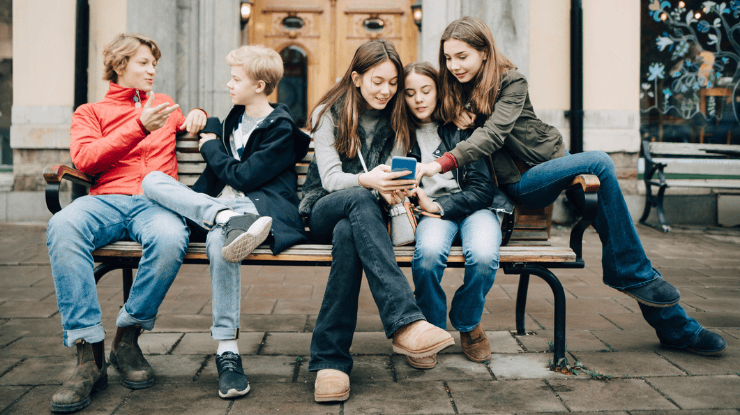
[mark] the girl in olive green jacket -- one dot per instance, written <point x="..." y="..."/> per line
<point x="481" y="89"/>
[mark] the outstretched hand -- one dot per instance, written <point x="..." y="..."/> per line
<point x="154" y="118"/>
<point x="383" y="180"/>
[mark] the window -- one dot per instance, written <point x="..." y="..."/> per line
<point x="689" y="71"/>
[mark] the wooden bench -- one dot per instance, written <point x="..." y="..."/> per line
<point x="713" y="166"/>
<point x="528" y="251"/>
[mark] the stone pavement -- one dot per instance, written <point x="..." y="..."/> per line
<point x="605" y="332"/>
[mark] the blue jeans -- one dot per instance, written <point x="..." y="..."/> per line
<point x="352" y="221"/>
<point x="91" y="222"/>
<point x="480" y="233"/>
<point x="202" y="209"/>
<point x="623" y="259"/>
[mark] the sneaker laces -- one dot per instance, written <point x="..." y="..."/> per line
<point x="228" y="361"/>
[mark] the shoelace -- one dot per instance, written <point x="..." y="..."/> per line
<point x="228" y="362"/>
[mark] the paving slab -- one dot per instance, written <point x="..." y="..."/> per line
<point x="272" y="323"/>
<point x="25" y="309"/>
<point x="398" y="398"/>
<point x="727" y="362"/>
<point x="203" y="344"/>
<point x="449" y="367"/>
<point x="175" y="399"/>
<point x="629" y="340"/>
<point x="370" y="343"/>
<point x="291" y="344"/>
<point x="524" y="366"/>
<point x="38" y="399"/>
<point x="36" y="346"/>
<point x="183" y="323"/>
<point x="10" y="394"/>
<point x="616" y="394"/>
<point x="282" y="398"/>
<point x="504" y="397"/>
<point x="709" y="392"/>
<point x="575" y="340"/>
<point x="628" y="364"/>
<point x="33" y="371"/>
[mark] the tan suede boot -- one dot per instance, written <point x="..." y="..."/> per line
<point x="331" y="386"/>
<point x="475" y="345"/>
<point x="126" y="356"/>
<point x="89" y="376"/>
<point x="427" y="362"/>
<point x="420" y="339"/>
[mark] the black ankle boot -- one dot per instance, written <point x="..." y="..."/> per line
<point x="89" y="376"/>
<point x="126" y="356"/>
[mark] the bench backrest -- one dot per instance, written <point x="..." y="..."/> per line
<point x="692" y="161"/>
<point x="532" y="226"/>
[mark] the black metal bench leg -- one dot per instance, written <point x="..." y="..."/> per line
<point x="521" y="303"/>
<point x="128" y="281"/>
<point x="648" y="202"/>
<point x="661" y="214"/>
<point x="559" y="297"/>
<point x="103" y="269"/>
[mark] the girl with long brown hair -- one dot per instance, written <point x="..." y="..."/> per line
<point x="357" y="127"/>
<point x="483" y="91"/>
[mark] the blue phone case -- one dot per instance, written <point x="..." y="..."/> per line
<point x="399" y="163"/>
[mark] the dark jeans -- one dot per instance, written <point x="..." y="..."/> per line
<point x="352" y="220"/>
<point x="623" y="260"/>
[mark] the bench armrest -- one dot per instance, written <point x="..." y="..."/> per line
<point x="53" y="175"/>
<point x="590" y="186"/>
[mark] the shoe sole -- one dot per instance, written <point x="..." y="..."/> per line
<point x="337" y="397"/>
<point x="245" y="243"/>
<point x="127" y="383"/>
<point x="421" y="366"/>
<point x="233" y="393"/>
<point x="473" y="359"/>
<point x="699" y="352"/>
<point x="426" y="352"/>
<point x="101" y="384"/>
<point x="640" y="300"/>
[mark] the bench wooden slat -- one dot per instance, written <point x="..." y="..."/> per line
<point x="322" y="253"/>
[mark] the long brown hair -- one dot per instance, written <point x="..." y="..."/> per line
<point x="482" y="91"/>
<point x="367" y="56"/>
<point x="425" y="69"/>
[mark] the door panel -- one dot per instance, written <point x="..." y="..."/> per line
<point x="330" y="32"/>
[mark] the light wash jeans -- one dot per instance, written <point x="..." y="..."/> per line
<point x="623" y="259"/>
<point x="202" y="209"/>
<point x="480" y="233"/>
<point x="91" y="222"/>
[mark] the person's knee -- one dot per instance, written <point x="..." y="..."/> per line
<point x="171" y="237"/>
<point x="65" y="225"/>
<point x="604" y="161"/>
<point x="342" y="233"/>
<point x="482" y="258"/>
<point x="152" y="181"/>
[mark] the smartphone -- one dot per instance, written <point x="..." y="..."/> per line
<point x="399" y="163"/>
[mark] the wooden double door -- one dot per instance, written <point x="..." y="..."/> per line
<point x="317" y="39"/>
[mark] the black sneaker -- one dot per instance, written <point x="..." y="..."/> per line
<point x="656" y="293"/>
<point x="232" y="382"/>
<point x="243" y="234"/>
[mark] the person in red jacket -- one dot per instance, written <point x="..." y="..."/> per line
<point x="119" y="140"/>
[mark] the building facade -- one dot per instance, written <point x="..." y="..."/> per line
<point x="316" y="39"/>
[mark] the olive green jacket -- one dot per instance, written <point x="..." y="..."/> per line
<point x="512" y="128"/>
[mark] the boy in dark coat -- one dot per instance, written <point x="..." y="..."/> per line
<point x="246" y="194"/>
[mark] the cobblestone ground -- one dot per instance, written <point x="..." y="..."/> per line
<point x="279" y="307"/>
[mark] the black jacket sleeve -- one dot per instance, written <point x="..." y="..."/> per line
<point x="273" y="153"/>
<point x="476" y="194"/>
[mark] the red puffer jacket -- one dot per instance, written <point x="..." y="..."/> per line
<point x="108" y="142"/>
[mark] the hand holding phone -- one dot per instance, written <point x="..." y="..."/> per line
<point x="399" y="163"/>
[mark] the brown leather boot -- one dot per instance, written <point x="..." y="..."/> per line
<point x="89" y="376"/>
<point x="126" y="356"/>
<point x="475" y="345"/>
